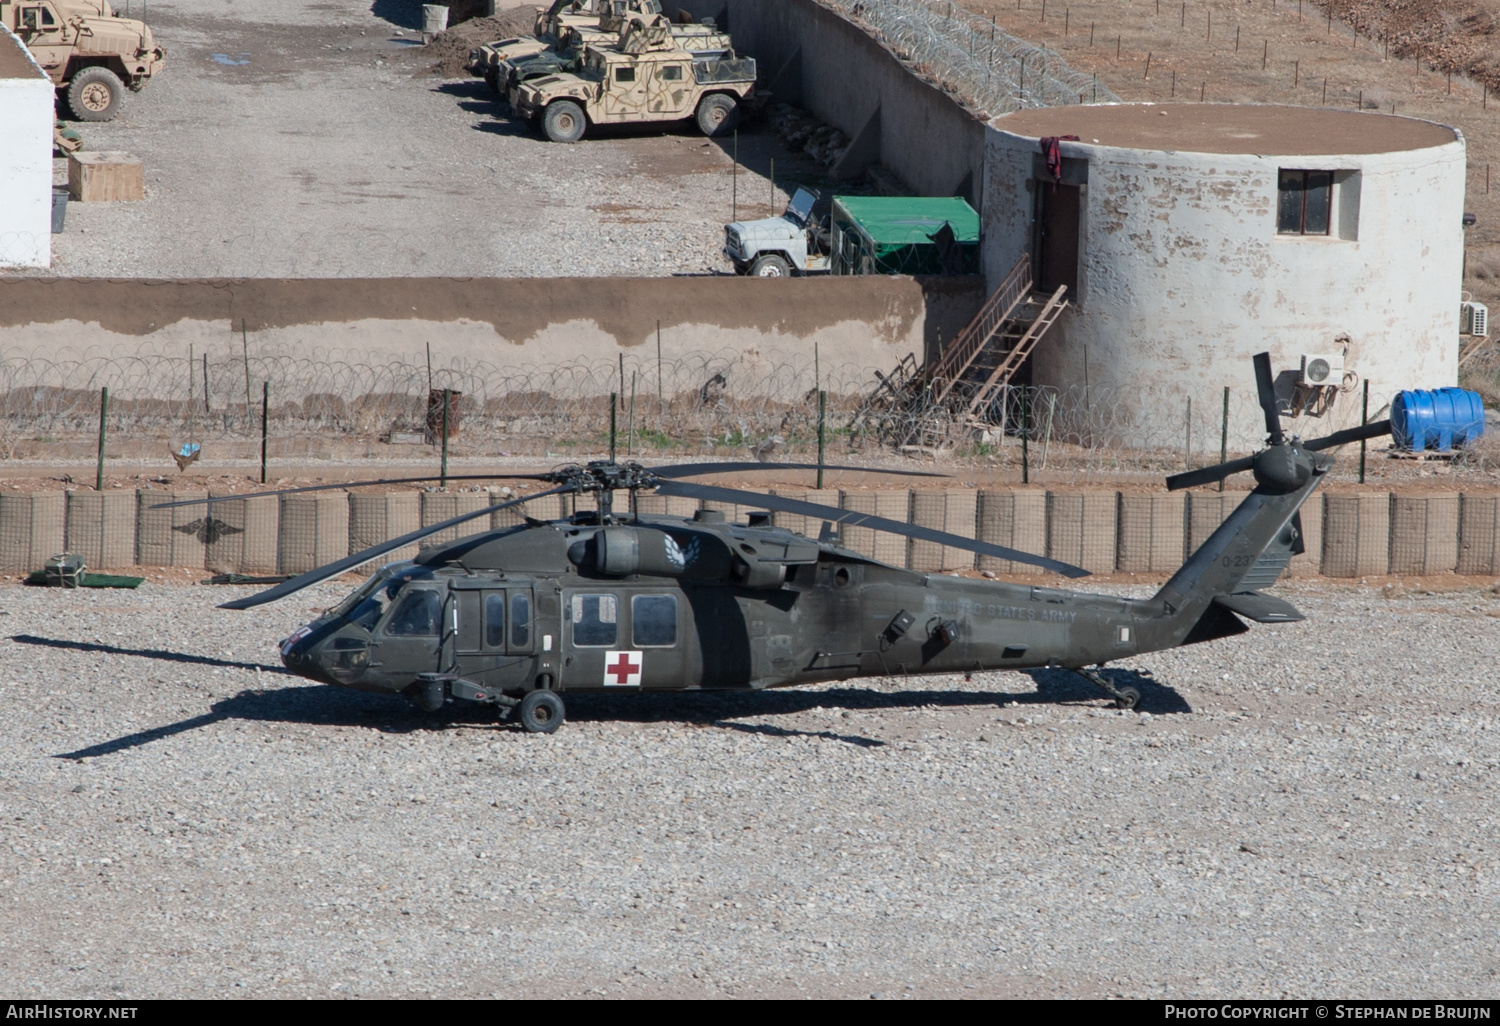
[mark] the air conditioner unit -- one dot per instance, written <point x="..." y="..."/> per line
<point x="1474" y="319"/>
<point x="1324" y="369"/>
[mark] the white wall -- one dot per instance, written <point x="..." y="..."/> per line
<point x="1182" y="277"/>
<point x="26" y="120"/>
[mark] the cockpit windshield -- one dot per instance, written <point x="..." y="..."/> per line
<point x="366" y="606"/>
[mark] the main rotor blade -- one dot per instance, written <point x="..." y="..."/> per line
<point x="856" y="519"/>
<point x="1265" y="387"/>
<point x="1208" y="475"/>
<point x="354" y="484"/>
<point x="694" y="469"/>
<point x="1354" y="434"/>
<point x="337" y="567"/>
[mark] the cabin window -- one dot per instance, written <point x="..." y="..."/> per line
<point x="520" y="620"/>
<point x="494" y="620"/>
<point x="1304" y="202"/>
<point x="671" y="73"/>
<point x="624" y="74"/>
<point x="418" y="615"/>
<point x="596" y="620"/>
<point x="653" y="621"/>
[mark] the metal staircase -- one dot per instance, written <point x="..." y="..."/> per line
<point x="930" y="408"/>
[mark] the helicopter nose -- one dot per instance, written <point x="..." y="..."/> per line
<point x="292" y="648"/>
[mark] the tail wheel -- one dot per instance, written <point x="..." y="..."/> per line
<point x="564" y="122"/>
<point x="541" y="712"/>
<point x="718" y="114"/>
<point x="94" y="94"/>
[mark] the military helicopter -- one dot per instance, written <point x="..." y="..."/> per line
<point x="624" y="601"/>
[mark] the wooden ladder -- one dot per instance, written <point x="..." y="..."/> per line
<point x="956" y="359"/>
<point x="1016" y="355"/>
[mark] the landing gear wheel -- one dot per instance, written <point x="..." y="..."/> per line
<point x="541" y="712"/>
<point x="94" y="94"/>
<point x="1127" y="698"/>
<point x="718" y="114"/>
<point x="770" y="266"/>
<point x="564" y="122"/>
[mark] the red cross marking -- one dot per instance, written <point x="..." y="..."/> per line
<point x="624" y="669"/>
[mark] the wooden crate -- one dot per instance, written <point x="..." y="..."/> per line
<point x="101" y="176"/>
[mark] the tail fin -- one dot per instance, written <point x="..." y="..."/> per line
<point x="1248" y="552"/>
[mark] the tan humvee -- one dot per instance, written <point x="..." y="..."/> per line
<point x="556" y="27"/>
<point x="646" y="76"/>
<point x="90" y="55"/>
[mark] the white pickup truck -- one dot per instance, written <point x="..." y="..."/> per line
<point x="794" y="243"/>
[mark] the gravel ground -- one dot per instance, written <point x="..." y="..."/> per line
<point x="324" y="147"/>
<point x="1304" y="811"/>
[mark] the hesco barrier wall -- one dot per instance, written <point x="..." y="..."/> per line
<point x="1346" y="535"/>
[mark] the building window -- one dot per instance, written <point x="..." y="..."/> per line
<point x="1304" y="202"/>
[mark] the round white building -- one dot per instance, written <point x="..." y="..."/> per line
<point x="1191" y="236"/>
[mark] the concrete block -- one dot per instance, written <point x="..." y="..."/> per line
<point x="1424" y="533"/>
<point x="1478" y="534"/>
<point x="31" y="530"/>
<point x="1206" y="511"/>
<point x="890" y="503"/>
<point x="171" y="537"/>
<point x="1017" y="519"/>
<point x="1153" y="532"/>
<point x="1356" y="534"/>
<point x="1082" y="528"/>
<point x="243" y="539"/>
<point x="953" y="510"/>
<point x="314" y="529"/>
<point x="664" y="505"/>
<point x="440" y="506"/>
<point x="377" y="518"/>
<point x="105" y="176"/>
<point x="101" y="528"/>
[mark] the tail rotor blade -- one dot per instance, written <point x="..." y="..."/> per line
<point x="1265" y="387"/>
<point x="856" y="519"/>
<point x="1354" y="434"/>
<point x="337" y="567"/>
<point x="1208" y="475"/>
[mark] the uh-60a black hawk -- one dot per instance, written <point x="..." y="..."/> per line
<point x="616" y="601"/>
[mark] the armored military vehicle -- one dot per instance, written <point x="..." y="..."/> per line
<point x="563" y="26"/>
<point x="646" y="76"/>
<point x="90" y="54"/>
<point x="704" y="42"/>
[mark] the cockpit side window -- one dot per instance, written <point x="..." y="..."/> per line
<point x="417" y="615"/>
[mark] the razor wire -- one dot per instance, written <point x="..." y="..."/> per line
<point x="708" y="403"/>
<point x="973" y="58"/>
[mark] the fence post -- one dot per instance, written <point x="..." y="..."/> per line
<point x="661" y="406"/>
<point x="265" y="412"/>
<point x="1364" y="419"/>
<point x="822" y="406"/>
<point x="1187" y="445"/>
<point x="630" y="420"/>
<point x="447" y="400"/>
<point x="103" y="412"/>
<point x="245" y="344"/>
<point x="1224" y="435"/>
<point x="614" y="400"/>
<point x="1025" y="430"/>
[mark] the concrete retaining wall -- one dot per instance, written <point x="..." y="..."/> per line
<point x="508" y="325"/>
<point x="810" y="56"/>
<point x="1346" y="535"/>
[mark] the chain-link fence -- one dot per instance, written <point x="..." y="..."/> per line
<point x="971" y="57"/>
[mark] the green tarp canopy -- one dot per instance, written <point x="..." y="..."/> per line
<point x="895" y="235"/>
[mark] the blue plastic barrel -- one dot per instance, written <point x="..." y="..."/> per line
<point x="1438" y="419"/>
